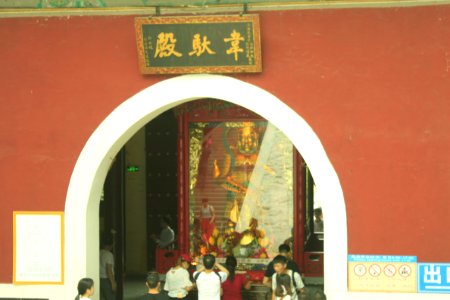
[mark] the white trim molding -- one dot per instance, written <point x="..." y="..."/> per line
<point x="82" y="203"/>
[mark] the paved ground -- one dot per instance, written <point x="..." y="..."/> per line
<point x="134" y="289"/>
<point x="313" y="292"/>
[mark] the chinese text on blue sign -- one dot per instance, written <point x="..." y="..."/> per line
<point x="434" y="278"/>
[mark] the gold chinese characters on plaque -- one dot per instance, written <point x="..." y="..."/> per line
<point x="199" y="44"/>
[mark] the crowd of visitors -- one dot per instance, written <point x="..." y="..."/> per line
<point x="212" y="280"/>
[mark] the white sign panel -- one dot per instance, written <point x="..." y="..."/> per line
<point x="382" y="273"/>
<point x="38" y="253"/>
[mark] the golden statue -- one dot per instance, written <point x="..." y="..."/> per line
<point x="235" y="169"/>
<point x="234" y="172"/>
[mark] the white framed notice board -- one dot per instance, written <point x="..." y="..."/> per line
<point x="38" y="247"/>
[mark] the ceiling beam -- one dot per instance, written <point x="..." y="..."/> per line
<point x="12" y="12"/>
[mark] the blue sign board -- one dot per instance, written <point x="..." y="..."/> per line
<point x="433" y="278"/>
<point x="382" y="258"/>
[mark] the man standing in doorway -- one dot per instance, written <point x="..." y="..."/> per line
<point x="107" y="281"/>
<point x="167" y="236"/>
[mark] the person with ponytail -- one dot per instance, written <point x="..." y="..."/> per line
<point x="283" y="290"/>
<point x="85" y="289"/>
<point x="233" y="286"/>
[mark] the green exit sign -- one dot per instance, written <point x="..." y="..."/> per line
<point x="132" y="169"/>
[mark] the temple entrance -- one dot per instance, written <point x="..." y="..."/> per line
<point x="86" y="179"/>
<point x="257" y="190"/>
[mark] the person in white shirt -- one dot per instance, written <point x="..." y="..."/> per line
<point x="280" y="267"/>
<point x="283" y="290"/>
<point x="107" y="280"/>
<point x="208" y="281"/>
<point x="177" y="283"/>
<point x="207" y="218"/>
<point x="318" y="220"/>
<point x="85" y="289"/>
<point x="167" y="235"/>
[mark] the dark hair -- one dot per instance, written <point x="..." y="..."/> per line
<point x="83" y="285"/>
<point x="283" y="280"/>
<point x="165" y="219"/>
<point x="152" y="280"/>
<point x="209" y="261"/>
<point x="231" y="264"/>
<point x="284" y="248"/>
<point x="107" y="240"/>
<point x="280" y="259"/>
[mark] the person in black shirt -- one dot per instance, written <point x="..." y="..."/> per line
<point x="283" y="250"/>
<point x="153" y="286"/>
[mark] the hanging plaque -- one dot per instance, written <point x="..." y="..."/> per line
<point x="199" y="44"/>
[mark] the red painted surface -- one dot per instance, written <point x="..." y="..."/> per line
<point x="373" y="83"/>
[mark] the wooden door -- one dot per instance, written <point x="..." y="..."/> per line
<point x="112" y="215"/>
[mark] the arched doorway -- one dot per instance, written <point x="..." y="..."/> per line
<point x="82" y="203"/>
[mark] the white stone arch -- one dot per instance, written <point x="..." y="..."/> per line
<point x="82" y="202"/>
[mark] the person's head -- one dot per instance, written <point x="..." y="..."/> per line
<point x="231" y="264"/>
<point x="279" y="264"/>
<point x="285" y="250"/>
<point x="205" y="202"/>
<point x="209" y="261"/>
<point x="85" y="287"/>
<point x="283" y="285"/>
<point x="164" y="221"/>
<point x="152" y="281"/>
<point x="107" y="242"/>
<point x="318" y="214"/>
<point x="184" y="261"/>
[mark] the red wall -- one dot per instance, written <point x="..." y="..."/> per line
<point x="373" y="83"/>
